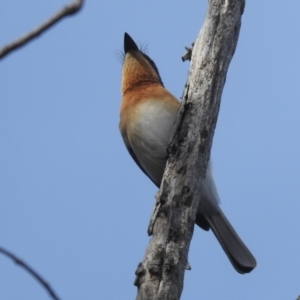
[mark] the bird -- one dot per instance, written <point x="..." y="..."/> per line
<point x="147" y="115"/>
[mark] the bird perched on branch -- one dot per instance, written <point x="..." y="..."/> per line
<point x="148" y="112"/>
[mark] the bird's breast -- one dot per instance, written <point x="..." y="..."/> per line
<point x="148" y="130"/>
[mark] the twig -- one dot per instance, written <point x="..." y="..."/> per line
<point x="68" y="10"/>
<point x="188" y="54"/>
<point x="25" y="266"/>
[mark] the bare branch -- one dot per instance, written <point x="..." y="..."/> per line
<point x="161" y="274"/>
<point x="25" y="266"/>
<point x="68" y="10"/>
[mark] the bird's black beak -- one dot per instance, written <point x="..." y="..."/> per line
<point x="129" y="44"/>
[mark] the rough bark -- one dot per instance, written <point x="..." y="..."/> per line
<point x="160" y="275"/>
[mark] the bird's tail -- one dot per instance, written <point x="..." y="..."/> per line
<point x="238" y="253"/>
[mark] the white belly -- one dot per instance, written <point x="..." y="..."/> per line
<point x="152" y="129"/>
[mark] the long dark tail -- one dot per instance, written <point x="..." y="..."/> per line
<point x="238" y="253"/>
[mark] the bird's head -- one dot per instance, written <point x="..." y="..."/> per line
<point x="138" y="68"/>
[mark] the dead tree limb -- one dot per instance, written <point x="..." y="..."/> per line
<point x="31" y="271"/>
<point x="68" y="10"/>
<point x="161" y="274"/>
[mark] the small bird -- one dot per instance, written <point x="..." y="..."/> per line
<point x="148" y="112"/>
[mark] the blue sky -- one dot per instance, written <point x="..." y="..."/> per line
<point x="73" y="203"/>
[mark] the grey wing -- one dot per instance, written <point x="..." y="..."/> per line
<point x="134" y="157"/>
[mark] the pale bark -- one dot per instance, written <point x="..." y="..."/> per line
<point x="161" y="274"/>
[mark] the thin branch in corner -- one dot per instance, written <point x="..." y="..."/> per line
<point x="33" y="273"/>
<point x="68" y="10"/>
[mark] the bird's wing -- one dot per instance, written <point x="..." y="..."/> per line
<point x="133" y="155"/>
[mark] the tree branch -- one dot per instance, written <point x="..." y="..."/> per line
<point x="25" y="266"/>
<point x="161" y="274"/>
<point x="68" y="10"/>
